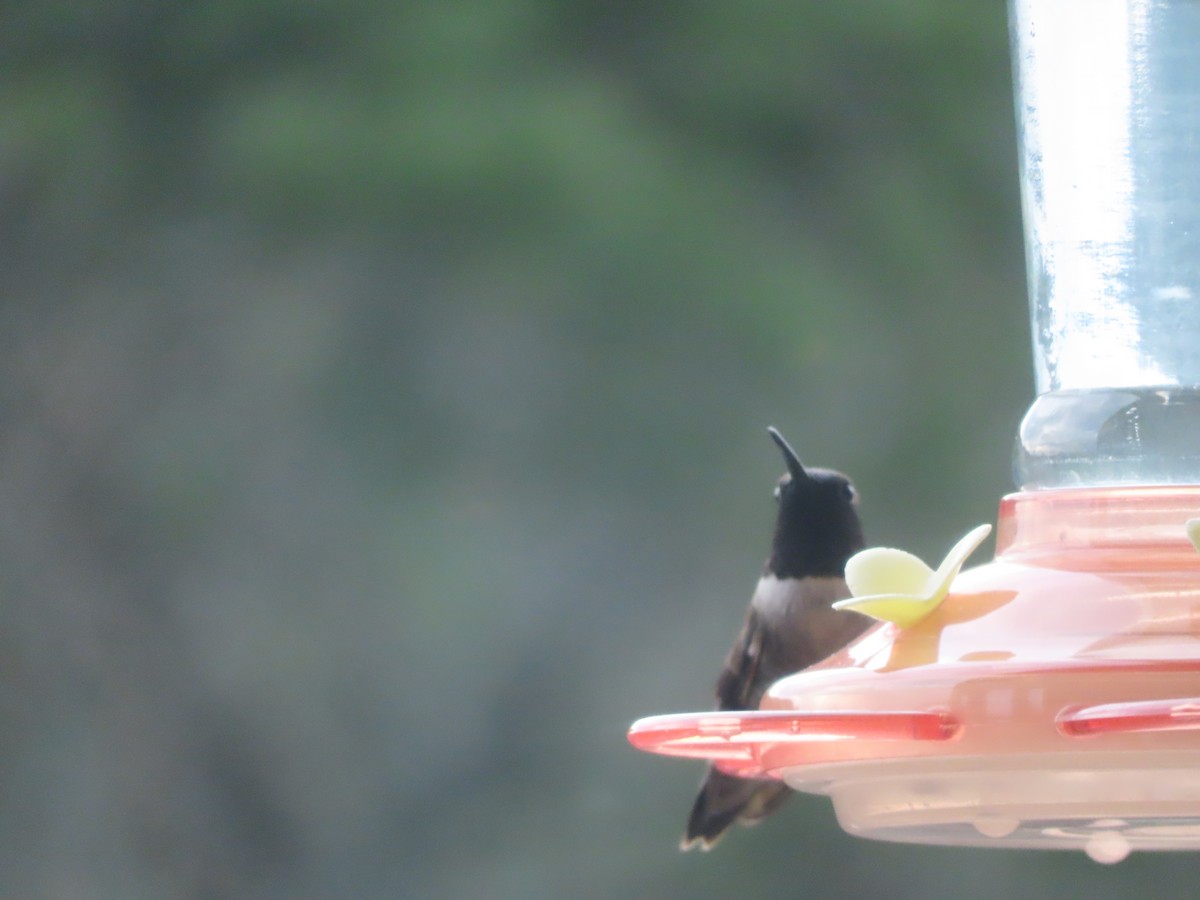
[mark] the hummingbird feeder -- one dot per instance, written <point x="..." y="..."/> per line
<point x="1051" y="699"/>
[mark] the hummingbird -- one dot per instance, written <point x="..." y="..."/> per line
<point x="789" y="626"/>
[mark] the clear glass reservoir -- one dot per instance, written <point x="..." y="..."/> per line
<point x="1108" y="112"/>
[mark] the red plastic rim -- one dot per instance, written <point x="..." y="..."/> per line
<point x="733" y="740"/>
<point x="1175" y="714"/>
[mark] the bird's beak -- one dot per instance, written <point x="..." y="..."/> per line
<point x="789" y="455"/>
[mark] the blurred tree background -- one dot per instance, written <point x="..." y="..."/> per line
<point x="384" y="389"/>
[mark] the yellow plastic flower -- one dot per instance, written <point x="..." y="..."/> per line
<point x="1193" y="532"/>
<point x="894" y="586"/>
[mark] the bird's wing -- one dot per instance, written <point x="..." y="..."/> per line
<point x="740" y="684"/>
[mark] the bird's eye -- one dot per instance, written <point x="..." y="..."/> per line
<point x="851" y="493"/>
<point x="778" y="492"/>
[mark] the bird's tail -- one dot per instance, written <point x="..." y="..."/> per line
<point x="725" y="799"/>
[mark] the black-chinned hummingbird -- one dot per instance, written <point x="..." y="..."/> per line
<point x="789" y="626"/>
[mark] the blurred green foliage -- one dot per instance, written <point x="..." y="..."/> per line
<point x="383" y="395"/>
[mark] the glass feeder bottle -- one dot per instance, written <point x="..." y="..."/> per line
<point x="1108" y="112"/>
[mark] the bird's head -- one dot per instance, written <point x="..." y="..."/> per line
<point x="817" y="528"/>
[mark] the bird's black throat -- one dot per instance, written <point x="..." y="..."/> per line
<point x="817" y="529"/>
